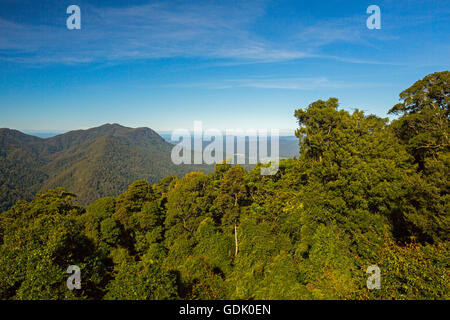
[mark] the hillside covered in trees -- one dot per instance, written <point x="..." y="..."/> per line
<point x="92" y="163"/>
<point x="362" y="192"/>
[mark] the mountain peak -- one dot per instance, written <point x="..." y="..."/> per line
<point x="92" y="163"/>
<point x="112" y="125"/>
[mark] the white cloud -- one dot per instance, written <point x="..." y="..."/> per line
<point x="158" y="30"/>
<point x="207" y="29"/>
<point x="293" y="83"/>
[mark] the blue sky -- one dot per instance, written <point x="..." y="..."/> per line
<point x="230" y="64"/>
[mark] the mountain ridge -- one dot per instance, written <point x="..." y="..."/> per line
<point x="92" y="163"/>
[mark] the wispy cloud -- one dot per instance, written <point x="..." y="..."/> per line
<point x="157" y="30"/>
<point x="205" y="29"/>
<point x="292" y="83"/>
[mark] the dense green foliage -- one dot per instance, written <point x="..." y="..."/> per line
<point x="363" y="192"/>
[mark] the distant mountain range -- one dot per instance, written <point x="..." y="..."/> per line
<point x="288" y="145"/>
<point x="91" y="163"/>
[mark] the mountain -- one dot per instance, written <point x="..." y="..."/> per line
<point x="91" y="163"/>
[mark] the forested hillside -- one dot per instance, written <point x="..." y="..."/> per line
<point x="92" y="163"/>
<point x="362" y="192"/>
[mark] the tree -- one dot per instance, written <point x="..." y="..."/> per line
<point x="44" y="238"/>
<point x="424" y="129"/>
<point x="424" y="125"/>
